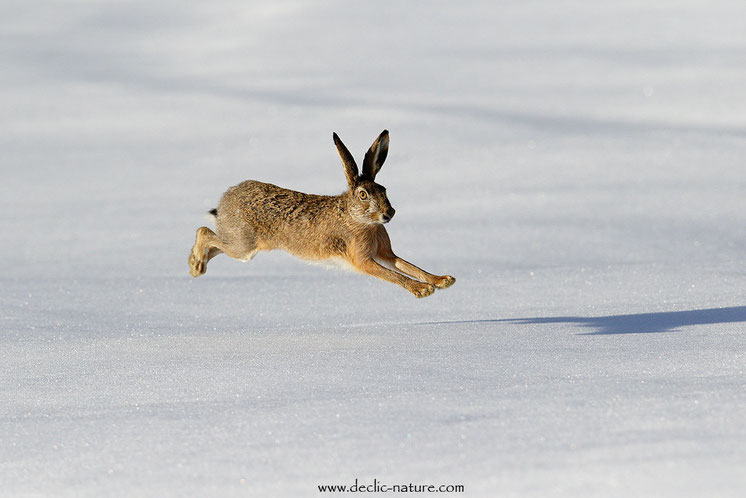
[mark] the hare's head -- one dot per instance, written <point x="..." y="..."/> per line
<point x="367" y="201"/>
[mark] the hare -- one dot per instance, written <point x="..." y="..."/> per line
<point x="254" y="216"/>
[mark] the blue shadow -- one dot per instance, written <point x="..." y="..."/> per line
<point x="641" y="323"/>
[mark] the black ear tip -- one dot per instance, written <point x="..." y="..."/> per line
<point x="335" y="136"/>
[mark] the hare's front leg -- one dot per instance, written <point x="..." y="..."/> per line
<point x="419" y="289"/>
<point x="439" y="281"/>
<point x="206" y="247"/>
<point x="385" y="254"/>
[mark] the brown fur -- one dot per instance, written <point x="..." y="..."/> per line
<point x="254" y="216"/>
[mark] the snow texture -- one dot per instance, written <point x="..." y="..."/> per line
<point x="577" y="166"/>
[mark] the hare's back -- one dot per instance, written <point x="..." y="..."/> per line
<point x="269" y="210"/>
<point x="270" y="199"/>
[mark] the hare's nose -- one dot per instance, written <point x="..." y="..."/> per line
<point x="390" y="214"/>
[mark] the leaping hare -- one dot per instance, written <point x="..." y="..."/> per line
<point x="255" y="216"/>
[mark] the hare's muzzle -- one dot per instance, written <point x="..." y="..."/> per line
<point x="389" y="214"/>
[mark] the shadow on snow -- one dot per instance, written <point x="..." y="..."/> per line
<point x="641" y="323"/>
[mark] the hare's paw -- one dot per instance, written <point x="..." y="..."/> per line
<point x="445" y="281"/>
<point x="422" y="290"/>
<point x="197" y="266"/>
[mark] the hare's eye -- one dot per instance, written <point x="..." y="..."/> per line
<point x="363" y="195"/>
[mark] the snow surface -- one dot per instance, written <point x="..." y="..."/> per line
<point x="578" y="166"/>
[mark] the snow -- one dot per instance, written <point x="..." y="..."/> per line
<point x="578" y="168"/>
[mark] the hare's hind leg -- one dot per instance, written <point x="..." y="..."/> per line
<point x="206" y="246"/>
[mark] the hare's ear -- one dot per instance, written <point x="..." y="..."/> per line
<point x="376" y="155"/>
<point x="348" y="162"/>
